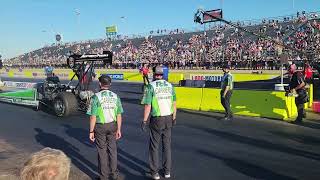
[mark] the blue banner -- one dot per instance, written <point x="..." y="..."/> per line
<point x="116" y="76"/>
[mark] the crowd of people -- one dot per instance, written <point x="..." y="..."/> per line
<point x="211" y="49"/>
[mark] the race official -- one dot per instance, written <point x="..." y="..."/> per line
<point x="226" y="92"/>
<point x="160" y="101"/>
<point x="105" y="127"/>
<point x="297" y="86"/>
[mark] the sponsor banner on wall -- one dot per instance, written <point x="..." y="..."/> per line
<point x="19" y="85"/>
<point x="18" y="74"/>
<point x="206" y="77"/>
<point x="116" y="76"/>
<point x="43" y="75"/>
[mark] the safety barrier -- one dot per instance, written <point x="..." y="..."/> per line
<point x="269" y="104"/>
<point x="129" y="75"/>
<point x="65" y="74"/>
<point x="252" y="77"/>
<point x="189" y="98"/>
<point x="310" y="92"/>
<point x="236" y="77"/>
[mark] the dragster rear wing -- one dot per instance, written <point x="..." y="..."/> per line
<point x="74" y="59"/>
<point x="79" y="63"/>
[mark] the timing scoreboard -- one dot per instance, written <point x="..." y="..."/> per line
<point x="111" y="30"/>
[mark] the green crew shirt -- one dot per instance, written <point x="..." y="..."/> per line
<point x="105" y="105"/>
<point x="161" y="95"/>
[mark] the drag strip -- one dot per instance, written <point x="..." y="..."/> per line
<point x="204" y="146"/>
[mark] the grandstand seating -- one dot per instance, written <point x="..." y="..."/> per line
<point x="221" y="44"/>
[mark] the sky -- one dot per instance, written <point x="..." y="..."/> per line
<point x="26" y="25"/>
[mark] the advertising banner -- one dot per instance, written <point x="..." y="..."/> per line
<point x="206" y="77"/>
<point x="61" y="75"/>
<point x="111" y="30"/>
<point x="18" y="85"/>
<point x="217" y="13"/>
<point x="116" y="76"/>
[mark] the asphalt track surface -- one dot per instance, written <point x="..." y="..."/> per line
<point x="204" y="146"/>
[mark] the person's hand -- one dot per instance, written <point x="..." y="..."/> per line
<point x="144" y="126"/>
<point x="91" y="137"/>
<point x="174" y="122"/>
<point x="118" y="134"/>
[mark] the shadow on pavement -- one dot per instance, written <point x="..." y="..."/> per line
<point x="300" y="138"/>
<point x="251" y="170"/>
<point x="131" y="92"/>
<point x="259" y="143"/>
<point x="310" y="124"/>
<point x="125" y="158"/>
<point x="56" y="142"/>
<point x="131" y="100"/>
<point x="79" y="134"/>
<point x="134" y="164"/>
<point x="201" y="114"/>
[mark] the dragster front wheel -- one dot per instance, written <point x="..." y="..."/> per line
<point x="65" y="104"/>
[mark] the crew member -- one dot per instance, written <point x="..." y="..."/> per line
<point x="160" y="101"/>
<point x="145" y="71"/>
<point x="46" y="164"/>
<point x="297" y="85"/>
<point x="105" y="127"/>
<point x="226" y="91"/>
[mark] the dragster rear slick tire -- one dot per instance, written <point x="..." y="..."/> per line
<point x="65" y="104"/>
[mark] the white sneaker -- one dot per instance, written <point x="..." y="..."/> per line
<point x="156" y="176"/>
<point x="167" y="175"/>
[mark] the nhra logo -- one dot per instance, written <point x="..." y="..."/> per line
<point x="8" y="83"/>
<point x="115" y="76"/>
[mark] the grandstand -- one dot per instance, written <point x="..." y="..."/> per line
<point x="206" y="50"/>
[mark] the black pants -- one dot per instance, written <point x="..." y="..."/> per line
<point x="300" y="108"/>
<point x="107" y="150"/>
<point x="160" y="132"/>
<point x="225" y="101"/>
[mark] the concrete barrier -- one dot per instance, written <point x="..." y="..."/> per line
<point x="129" y="75"/>
<point x="189" y="98"/>
<point x="66" y="74"/>
<point x="252" y="77"/>
<point x="211" y="100"/>
<point x="269" y="104"/>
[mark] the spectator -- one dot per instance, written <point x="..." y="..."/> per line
<point x="47" y="164"/>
